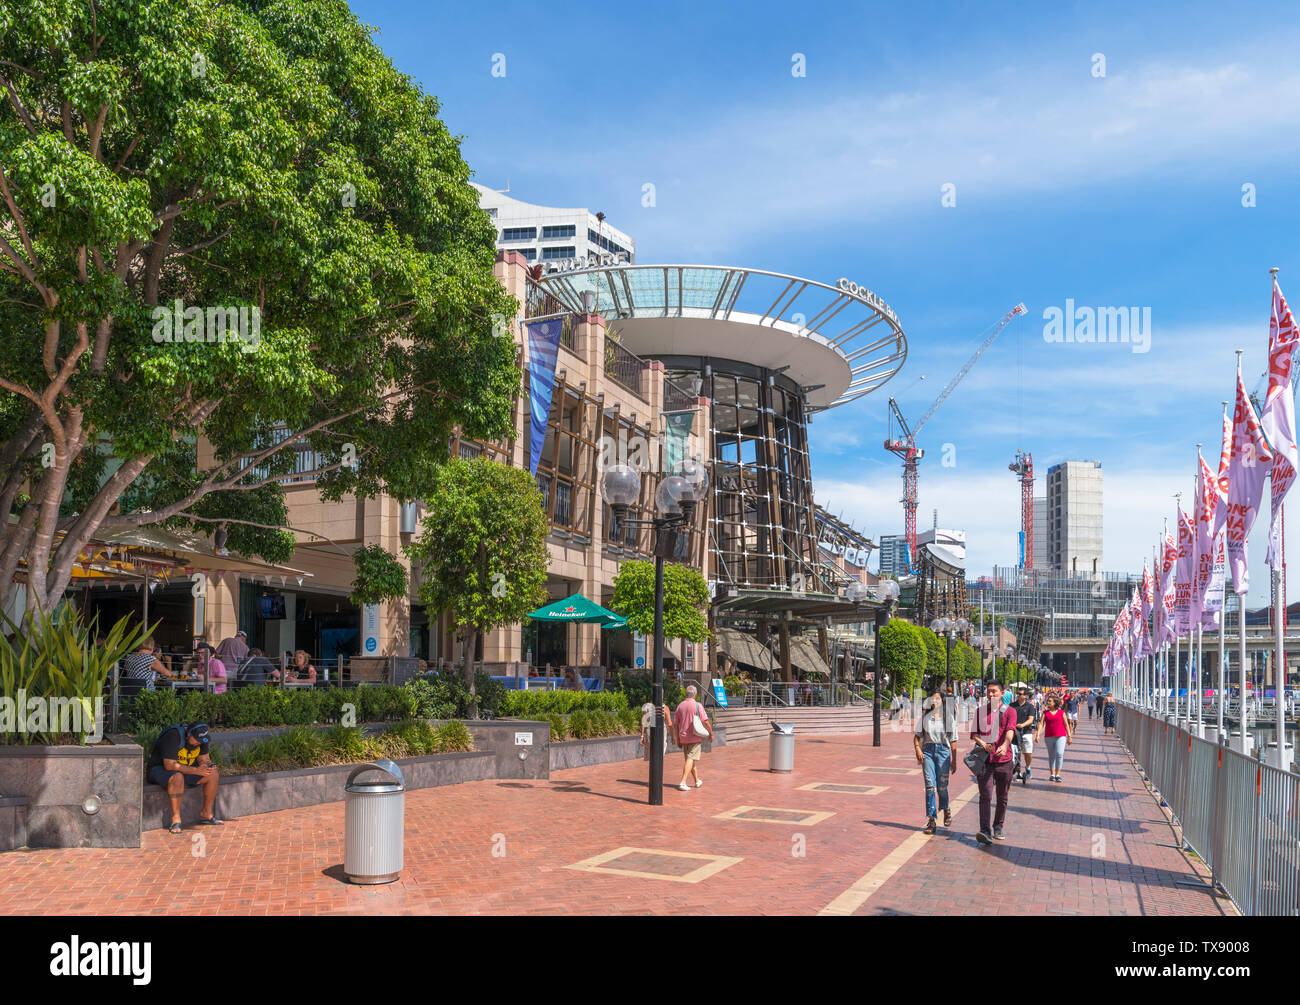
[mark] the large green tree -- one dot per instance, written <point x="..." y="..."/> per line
<point x="686" y="600"/>
<point x="482" y="552"/>
<point x="901" y="654"/>
<point x="166" y="156"/>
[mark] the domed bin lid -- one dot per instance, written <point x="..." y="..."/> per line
<point x="394" y="783"/>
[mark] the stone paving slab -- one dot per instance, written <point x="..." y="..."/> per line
<point x="511" y="847"/>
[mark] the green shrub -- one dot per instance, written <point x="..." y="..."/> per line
<point x="638" y="687"/>
<point x="440" y="695"/>
<point x="630" y="720"/>
<point x="580" y="724"/>
<point x="539" y="704"/>
<point x="559" y="725"/>
<point x="454" y="738"/>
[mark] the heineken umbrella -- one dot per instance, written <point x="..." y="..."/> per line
<point x="578" y="608"/>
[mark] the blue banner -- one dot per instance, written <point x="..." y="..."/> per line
<point x="543" y="349"/>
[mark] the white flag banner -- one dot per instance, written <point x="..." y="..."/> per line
<point x="1183" y="575"/>
<point x="1250" y="463"/>
<point x="1207" y="595"/>
<point x="1278" y="416"/>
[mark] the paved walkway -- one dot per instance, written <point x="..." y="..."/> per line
<point x="839" y="836"/>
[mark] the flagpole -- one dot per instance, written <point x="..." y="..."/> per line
<point x="1196" y="588"/>
<point x="1244" y="738"/>
<point x="1279" y="598"/>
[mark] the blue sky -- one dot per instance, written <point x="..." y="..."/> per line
<point x="1122" y="190"/>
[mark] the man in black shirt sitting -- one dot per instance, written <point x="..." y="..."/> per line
<point x="179" y="760"/>
<point x="1026" y="720"/>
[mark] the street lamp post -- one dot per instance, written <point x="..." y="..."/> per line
<point x="675" y="501"/>
<point x="887" y="592"/>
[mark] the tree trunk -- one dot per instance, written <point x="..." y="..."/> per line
<point x="467" y="670"/>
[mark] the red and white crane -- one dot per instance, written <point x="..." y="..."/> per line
<point x="904" y="445"/>
<point x="1023" y="465"/>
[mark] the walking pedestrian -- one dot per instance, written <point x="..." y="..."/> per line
<point x="935" y="744"/>
<point x="1026" y="720"/>
<point x="692" y="725"/>
<point x="995" y="726"/>
<point x="1108" y="715"/>
<point x="1072" y="708"/>
<point x="1092" y="701"/>
<point x="1058" y="730"/>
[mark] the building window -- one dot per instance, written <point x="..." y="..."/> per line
<point x="519" y="234"/>
<point x="558" y="233"/>
<point x="528" y="253"/>
<point x="564" y="251"/>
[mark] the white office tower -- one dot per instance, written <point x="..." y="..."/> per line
<point x="559" y="239"/>
<point x="1074" y="525"/>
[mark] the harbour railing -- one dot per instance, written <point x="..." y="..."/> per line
<point x="1239" y="814"/>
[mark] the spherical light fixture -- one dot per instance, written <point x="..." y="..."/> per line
<point x="620" y="485"/>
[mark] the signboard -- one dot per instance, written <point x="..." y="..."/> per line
<point x="689" y="659"/>
<point x="523" y="739"/>
<point x="638" y="650"/>
<point x="369" y="629"/>
<point x="719" y="692"/>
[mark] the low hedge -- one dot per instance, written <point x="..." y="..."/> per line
<point x="590" y="724"/>
<point x="539" y="704"/>
<point x="270" y="706"/>
<point x="303" y="747"/>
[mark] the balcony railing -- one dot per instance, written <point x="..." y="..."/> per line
<point x="538" y="303"/>
<point x="623" y="365"/>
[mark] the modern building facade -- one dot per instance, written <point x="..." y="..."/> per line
<point x="714" y="353"/>
<point x="953" y="540"/>
<point x="893" y="555"/>
<point x="1040" y="532"/>
<point x="1074" y="516"/>
<point x="555" y="238"/>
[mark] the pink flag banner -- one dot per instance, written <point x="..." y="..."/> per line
<point x="1183" y="575"/>
<point x="1250" y="463"/>
<point x="1165" y="608"/>
<point x="1207" y="595"/>
<point x="1278" y="416"/>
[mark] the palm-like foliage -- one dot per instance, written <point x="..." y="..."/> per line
<point x="57" y="656"/>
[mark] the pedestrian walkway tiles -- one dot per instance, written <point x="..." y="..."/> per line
<point x="883" y="770"/>
<point x="652" y="863"/>
<point x="771" y="815"/>
<point x="859" y="790"/>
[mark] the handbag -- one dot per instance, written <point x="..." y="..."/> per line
<point x="976" y="759"/>
<point x="697" y="724"/>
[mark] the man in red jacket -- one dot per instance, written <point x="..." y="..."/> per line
<point x="995" y="727"/>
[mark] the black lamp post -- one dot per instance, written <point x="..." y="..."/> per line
<point x="675" y="501"/>
<point x="887" y="592"/>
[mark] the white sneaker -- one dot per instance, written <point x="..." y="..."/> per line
<point x="699" y="782"/>
<point x="684" y="787"/>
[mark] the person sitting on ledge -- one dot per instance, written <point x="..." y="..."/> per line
<point x="180" y="760"/>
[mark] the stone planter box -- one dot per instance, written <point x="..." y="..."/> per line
<point x="246" y="795"/>
<point x="583" y="753"/>
<point x="55" y="781"/>
<point x="13" y="822"/>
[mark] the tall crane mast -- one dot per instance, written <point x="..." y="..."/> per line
<point x="1023" y="466"/>
<point x="904" y="446"/>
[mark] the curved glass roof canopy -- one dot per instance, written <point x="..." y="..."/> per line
<point x="838" y="343"/>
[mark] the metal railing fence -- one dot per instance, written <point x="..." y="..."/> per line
<point x="1240" y="815"/>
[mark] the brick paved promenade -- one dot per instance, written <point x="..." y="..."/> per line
<point x="839" y="836"/>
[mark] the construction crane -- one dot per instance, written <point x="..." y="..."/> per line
<point x="904" y="445"/>
<point x="1023" y="466"/>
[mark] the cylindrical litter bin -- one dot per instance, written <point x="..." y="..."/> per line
<point x="374" y="817"/>
<point x="780" y="748"/>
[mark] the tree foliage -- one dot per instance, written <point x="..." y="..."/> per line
<point x="902" y="654"/>
<point x="482" y="552"/>
<point x="379" y="576"/>
<point x="226" y="154"/>
<point x="686" y="600"/>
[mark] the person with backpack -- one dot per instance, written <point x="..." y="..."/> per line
<point x="691" y="724"/>
<point x="180" y="760"/>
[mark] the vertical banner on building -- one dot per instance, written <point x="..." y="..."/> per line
<point x="370" y="629"/>
<point x="676" y="434"/>
<point x="543" y="350"/>
<point x="638" y="650"/>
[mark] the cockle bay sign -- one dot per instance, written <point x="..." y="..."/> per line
<point x="867" y="297"/>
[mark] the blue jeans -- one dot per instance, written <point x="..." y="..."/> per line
<point x="936" y="760"/>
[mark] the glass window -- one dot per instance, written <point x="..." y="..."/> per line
<point x="558" y="233"/>
<point x="519" y="234"/>
<point x="564" y="251"/>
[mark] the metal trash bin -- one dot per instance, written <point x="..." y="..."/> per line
<point x="780" y="748"/>
<point x="374" y="819"/>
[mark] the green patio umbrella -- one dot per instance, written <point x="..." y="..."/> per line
<point x="578" y="608"/>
